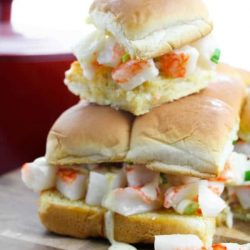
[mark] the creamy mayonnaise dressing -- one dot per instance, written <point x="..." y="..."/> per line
<point x="109" y="232"/>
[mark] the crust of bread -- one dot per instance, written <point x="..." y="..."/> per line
<point x="151" y="28"/>
<point x="223" y="88"/>
<point x="244" y="132"/>
<point x="76" y="219"/>
<point x="193" y="135"/>
<point x="89" y="134"/>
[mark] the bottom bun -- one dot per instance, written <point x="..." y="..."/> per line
<point x="77" y="219"/>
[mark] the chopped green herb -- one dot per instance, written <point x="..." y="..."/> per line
<point x="191" y="208"/>
<point x="235" y="142"/>
<point x="247" y="175"/>
<point x="216" y="56"/>
<point x="125" y="58"/>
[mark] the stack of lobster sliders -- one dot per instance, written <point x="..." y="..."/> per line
<point x="109" y="174"/>
<point x="144" y="53"/>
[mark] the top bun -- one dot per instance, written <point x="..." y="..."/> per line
<point x="89" y="134"/>
<point x="151" y="28"/>
<point x="192" y="136"/>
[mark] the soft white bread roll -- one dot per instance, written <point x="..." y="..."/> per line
<point x="75" y="218"/>
<point x="150" y="28"/>
<point x="244" y="132"/>
<point x="89" y="134"/>
<point x="190" y="136"/>
<point x="229" y="90"/>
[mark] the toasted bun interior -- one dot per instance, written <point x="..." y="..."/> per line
<point x="76" y="219"/>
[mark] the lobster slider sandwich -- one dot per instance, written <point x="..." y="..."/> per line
<point x="89" y="190"/>
<point x="144" y="53"/>
<point x="191" y="136"/>
<point x="101" y="176"/>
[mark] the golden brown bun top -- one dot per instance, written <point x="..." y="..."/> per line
<point x="229" y="90"/>
<point x="244" y="133"/>
<point x="190" y="136"/>
<point x="89" y="133"/>
<point x="149" y="28"/>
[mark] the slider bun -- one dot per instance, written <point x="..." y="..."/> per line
<point x="244" y="132"/>
<point x="150" y="28"/>
<point x="75" y="218"/>
<point x="229" y="90"/>
<point x="190" y="136"/>
<point x="89" y="134"/>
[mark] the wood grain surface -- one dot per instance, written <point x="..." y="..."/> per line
<point x="20" y="228"/>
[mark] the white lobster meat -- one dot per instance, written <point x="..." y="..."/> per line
<point x="100" y="184"/>
<point x="151" y="190"/>
<point x="139" y="175"/>
<point x="71" y="183"/>
<point x="129" y="201"/>
<point x="133" y="73"/>
<point x="86" y="52"/>
<point x="177" y="242"/>
<point x="192" y="55"/>
<point x="196" y="197"/>
<point x="111" y="54"/>
<point x="206" y="47"/>
<point x="97" y="188"/>
<point x="39" y="175"/>
<point x="191" y="242"/>
<point x="234" y="170"/>
<point x="179" y="63"/>
<point x="209" y="202"/>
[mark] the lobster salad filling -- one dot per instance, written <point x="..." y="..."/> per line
<point x="101" y="53"/>
<point x="236" y="177"/>
<point x="106" y="74"/>
<point x="127" y="189"/>
<point x="236" y="170"/>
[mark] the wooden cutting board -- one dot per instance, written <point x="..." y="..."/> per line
<point x="20" y="228"/>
